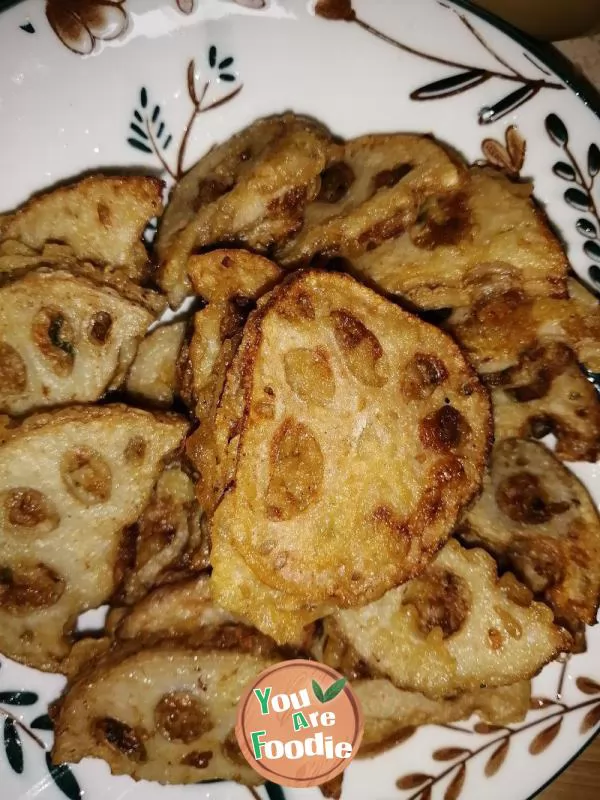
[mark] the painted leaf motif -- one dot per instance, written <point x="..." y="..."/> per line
<point x="256" y="4"/>
<point x="456" y="784"/>
<point x="18" y="698"/>
<point x="13" y="745"/>
<point x="334" y="9"/>
<point x="593" y="160"/>
<point x="594" y="273"/>
<point x="592" y="249"/>
<point x="545" y="738"/>
<point x="587" y="685"/>
<point x="591" y="719"/>
<point x="564" y="171"/>
<point x="578" y="199"/>
<point x="335" y="688"/>
<point x="586" y="228"/>
<point x="413" y="781"/>
<point x="454" y="84"/>
<point x="43" y="723"/>
<point x="507" y="104"/>
<point x="227" y="76"/>
<point x="485" y="728"/>
<point x="212" y="56"/>
<point x="186" y="6"/>
<point x="425" y="794"/>
<point x="497" y="758"/>
<point x="557" y="130"/>
<point x="449" y="753"/>
<point x="143" y="97"/>
<point x="64" y="779"/>
<point x="496" y="154"/>
<point x="140" y="132"/>
<point x="318" y="692"/>
<point x="516" y="146"/>
<point x="139" y="145"/>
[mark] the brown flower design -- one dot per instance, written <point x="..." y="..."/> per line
<point x="508" y="157"/>
<point x="80" y="24"/>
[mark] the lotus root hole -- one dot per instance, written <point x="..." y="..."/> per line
<point x="309" y="375"/>
<point x="86" y="476"/>
<point x="181" y="717"/>
<point x="441" y="600"/>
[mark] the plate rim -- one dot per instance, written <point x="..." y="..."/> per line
<point x="549" y="55"/>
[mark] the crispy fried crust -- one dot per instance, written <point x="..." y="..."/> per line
<point x="454" y="629"/>
<point x="64" y="339"/>
<point x="164" y="713"/>
<point x="278" y="614"/>
<point x="490" y="232"/>
<point x="252" y="190"/>
<point x="371" y="193"/>
<point x="70" y="481"/>
<point x="391" y="713"/>
<point x="164" y="539"/>
<point x="501" y="327"/>
<point x="538" y="519"/>
<point x="153" y="374"/>
<point x="338" y="384"/>
<point x="230" y="281"/>
<point x="100" y="219"/>
<point x="548" y="393"/>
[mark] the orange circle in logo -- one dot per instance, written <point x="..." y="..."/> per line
<point x="299" y="724"/>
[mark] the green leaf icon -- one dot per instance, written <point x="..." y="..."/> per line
<point x="318" y="692"/>
<point x="335" y="689"/>
<point x="329" y="694"/>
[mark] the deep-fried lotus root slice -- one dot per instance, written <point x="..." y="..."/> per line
<point x="538" y="519"/>
<point x="164" y="713"/>
<point x="456" y="628"/>
<point x="370" y="194"/>
<point x="491" y="232"/>
<point x="153" y="374"/>
<point x="278" y="614"/>
<point x="64" y="339"/>
<point x="252" y="189"/>
<point x="231" y="281"/>
<point x="180" y="609"/>
<point x="501" y="327"/>
<point x="161" y="539"/>
<point x="548" y="393"/>
<point x="356" y="416"/>
<point x="391" y="714"/>
<point x="70" y="481"/>
<point x="100" y="219"/>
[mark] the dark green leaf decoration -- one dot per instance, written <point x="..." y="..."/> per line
<point x="227" y="62"/>
<point x="139" y="145"/>
<point x="212" y="56"/>
<point x="594" y="273"/>
<point x="557" y="130"/>
<point x="564" y="171"/>
<point x="64" y="779"/>
<point x="578" y="199"/>
<point x="18" y="698"/>
<point x="226" y="76"/>
<point x="335" y="689"/>
<point x="13" y="745"/>
<point x="507" y="104"/>
<point x="593" y="160"/>
<point x="448" y="87"/>
<point x="586" y="228"/>
<point x="43" y="723"/>
<point x="274" y="791"/>
<point x="318" y="692"/>
<point x="592" y="249"/>
<point x="149" y="131"/>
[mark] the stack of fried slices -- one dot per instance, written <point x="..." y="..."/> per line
<point x="302" y="463"/>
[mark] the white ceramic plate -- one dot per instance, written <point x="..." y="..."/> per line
<point x="88" y="84"/>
